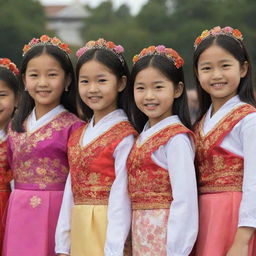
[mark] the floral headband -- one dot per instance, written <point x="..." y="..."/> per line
<point x="102" y="44"/>
<point x="6" y="63"/>
<point x="160" y="50"/>
<point x="227" y="31"/>
<point x="46" y="40"/>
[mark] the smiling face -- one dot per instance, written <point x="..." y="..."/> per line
<point x="154" y="94"/>
<point x="45" y="81"/>
<point x="99" y="88"/>
<point x="7" y="104"/>
<point x="219" y="74"/>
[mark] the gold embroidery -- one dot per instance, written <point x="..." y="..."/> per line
<point x="35" y="201"/>
<point x="149" y="184"/>
<point x="91" y="184"/>
<point x="218" y="169"/>
<point x="49" y="171"/>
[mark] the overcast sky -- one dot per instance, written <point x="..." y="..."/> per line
<point x="133" y="4"/>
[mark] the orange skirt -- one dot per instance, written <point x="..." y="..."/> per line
<point x="218" y="220"/>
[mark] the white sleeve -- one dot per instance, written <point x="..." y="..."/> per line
<point x="183" y="219"/>
<point x="119" y="205"/>
<point x="62" y="235"/>
<point x="247" y="211"/>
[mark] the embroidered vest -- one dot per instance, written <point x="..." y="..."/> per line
<point x="92" y="167"/>
<point x="149" y="184"/>
<point x="5" y="172"/>
<point x="219" y="170"/>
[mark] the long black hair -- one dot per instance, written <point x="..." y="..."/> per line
<point x="111" y="61"/>
<point x="168" y="69"/>
<point x="238" y="50"/>
<point x="27" y="103"/>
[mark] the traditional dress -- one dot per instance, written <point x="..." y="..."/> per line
<point x="5" y="178"/>
<point x="162" y="187"/>
<point x="96" y="193"/>
<point x="226" y="162"/>
<point x="38" y="159"/>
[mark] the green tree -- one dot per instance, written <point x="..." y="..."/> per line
<point x="20" y="21"/>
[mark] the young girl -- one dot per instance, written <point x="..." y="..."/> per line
<point x="38" y="147"/>
<point x="96" y="191"/>
<point x="162" y="183"/>
<point x="8" y="99"/>
<point x="226" y="144"/>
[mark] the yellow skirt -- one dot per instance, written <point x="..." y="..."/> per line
<point x="88" y="230"/>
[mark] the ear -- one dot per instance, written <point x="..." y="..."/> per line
<point x="122" y="83"/>
<point x="67" y="81"/>
<point x="244" y="69"/>
<point x="178" y="90"/>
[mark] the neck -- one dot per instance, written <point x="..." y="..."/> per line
<point x="42" y="110"/>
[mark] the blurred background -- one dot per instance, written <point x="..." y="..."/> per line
<point x="133" y="23"/>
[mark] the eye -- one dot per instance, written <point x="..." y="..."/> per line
<point x="53" y="74"/>
<point x="3" y="94"/>
<point x="206" y="68"/>
<point x="159" y="86"/>
<point x="226" y="65"/>
<point x="139" y="88"/>
<point x="102" y="80"/>
<point x="32" y="75"/>
<point x="84" y="81"/>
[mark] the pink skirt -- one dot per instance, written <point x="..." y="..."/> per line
<point x="218" y="220"/>
<point x="149" y="232"/>
<point x="31" y="222"/>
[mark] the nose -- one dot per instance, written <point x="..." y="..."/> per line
<point x="149" y="94"/>
<point x="93" y="87"/>
<point x="42" y="81"/>
<point x="217" y="74"/>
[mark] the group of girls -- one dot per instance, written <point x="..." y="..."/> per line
<point x="103" y="160"/>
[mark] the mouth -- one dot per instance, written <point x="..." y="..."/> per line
<point x="151" y="106"/>
<point x="218" y="85"/>
<point x="43" y="93"/>
<point x="94" y="98"/>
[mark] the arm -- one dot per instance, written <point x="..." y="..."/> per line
<point x="183" y="219"/>
<point x="119" y="207"/>
<point x="247" y="211"/>
<point x="62" y="235"/>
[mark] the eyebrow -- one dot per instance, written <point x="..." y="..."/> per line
<point x="221" y="61"/>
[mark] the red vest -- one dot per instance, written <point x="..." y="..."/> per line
<point x="219" y="170"/>
<point x="5" y="172"/>
<point x="149" y="184"/>
<point x="92" y="167"/>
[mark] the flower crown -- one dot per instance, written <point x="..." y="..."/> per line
<point x="102" y="44"/>
<point x="227" y="31"/>
<point x="160" y="50"/>
<point x="46" y="40"/>
<point x="6" y="63"/>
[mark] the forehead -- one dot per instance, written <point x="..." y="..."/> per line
<point x="92" y="67"/>
<point x="149" y="74"/>
<point x="43" y="61"/>
<point x="4" y="86"/>
<point x="215" y="53"/>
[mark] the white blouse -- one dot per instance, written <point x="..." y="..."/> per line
<point x="33" y="123"/>
<point x="241" y="141"/>
<point x="177" y="156"/>
<point x="3" y="135"/>
<point x="119" y="206"/>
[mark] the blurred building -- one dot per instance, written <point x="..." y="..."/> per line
<point x="67" y="21"/>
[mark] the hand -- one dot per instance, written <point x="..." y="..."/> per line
<point x="240" y="246"/>
<point x="238" y="249"/>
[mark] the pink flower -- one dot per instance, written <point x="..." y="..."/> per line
<point x="119" y="49"/>
<point x="81" y="51"/>
<point x="160" y="48"/>
<point x="228" y="29"/>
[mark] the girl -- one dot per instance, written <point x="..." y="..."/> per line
<point x="226" y="144"/>
<point x="38" y="147"/>
<point x="161" y="173"/>
<point x="96" y="191"/>
<point x="8" y="99"/>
